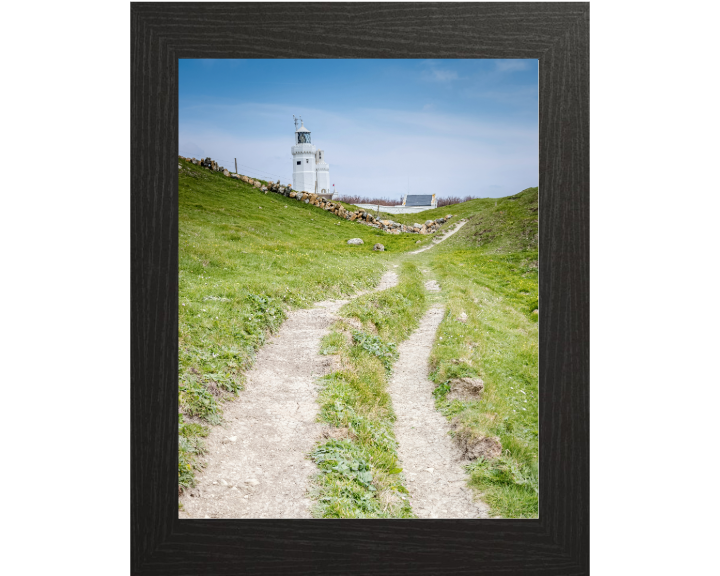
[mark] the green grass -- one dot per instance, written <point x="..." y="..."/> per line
<point x="483" y="206"/>
<point x="492" y="278"/>
<point x="191" y="448"/>
<point x="246" y="258"/>
<point x="359" y="475"/>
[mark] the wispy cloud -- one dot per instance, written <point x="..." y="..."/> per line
<point x="512" y="65"/>
<point x="434" y="72"/>
<point x="444" y="75"/>
<point x="514" y="95"/>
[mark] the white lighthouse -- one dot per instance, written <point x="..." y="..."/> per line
<point x="310" y="171"/>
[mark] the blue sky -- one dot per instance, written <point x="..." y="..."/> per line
<point x="448" y="127"/>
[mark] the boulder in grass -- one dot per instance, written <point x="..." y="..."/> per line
<point x="474" y="446"/>
<point x="226" y="172"/>
<point x="466" y="388"/>
<point x="355" y="241"/>
<point x="487" y="447"/>
<point x="429" y="223"/>
<point x="292" y="194"/>
<point x="379" y="248"/>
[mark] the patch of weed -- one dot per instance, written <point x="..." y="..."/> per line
<point x="191" y="447"/>
<point x="331" y="343"/>
<point x="386" y="352"/>
<point x="507" y="485"/>
<point x="340" y="458"/>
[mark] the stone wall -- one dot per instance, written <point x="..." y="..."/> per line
<point x="360" y="216"/>
<point x="212" y="165"/>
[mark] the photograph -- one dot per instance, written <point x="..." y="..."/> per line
<point x="358" y="303"/>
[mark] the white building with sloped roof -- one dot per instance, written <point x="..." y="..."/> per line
<point x="411" y="204"/>
<point x="425" y="201"/>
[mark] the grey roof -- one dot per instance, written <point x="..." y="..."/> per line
<point x="419" y="200"/>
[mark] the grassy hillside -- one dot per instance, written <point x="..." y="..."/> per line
<point x="247" y="258"/>
<point x="488" y="271"/>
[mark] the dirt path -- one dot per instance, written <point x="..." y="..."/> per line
<point x="431" y="461"/>
<point x="437" y="240"/>
<point x="256" y="466"/>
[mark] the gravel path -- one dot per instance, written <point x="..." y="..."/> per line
<point x="437" y="240"/>
<point x="431" y="461"/>
<point x="256" y="465"/>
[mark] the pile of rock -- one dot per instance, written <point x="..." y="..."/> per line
<point x="210" y="164"/>
<point x="391" y="227"/>
<point x="360" y="216"/>
<point x="314" y="199"/>
<point x="428" y="227"/>
<point x="252" y="182"/>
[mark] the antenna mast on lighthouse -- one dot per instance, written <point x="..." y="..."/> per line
<point x="296" y="121"/>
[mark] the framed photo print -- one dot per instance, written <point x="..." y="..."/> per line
<point x="360" y="288"/>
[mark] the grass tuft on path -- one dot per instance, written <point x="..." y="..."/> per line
<point x="359" y="472"/>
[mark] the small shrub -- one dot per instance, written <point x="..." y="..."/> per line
<point x="385" y="351"/>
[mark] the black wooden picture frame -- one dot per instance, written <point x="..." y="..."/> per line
<point x="557" y="34"/>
